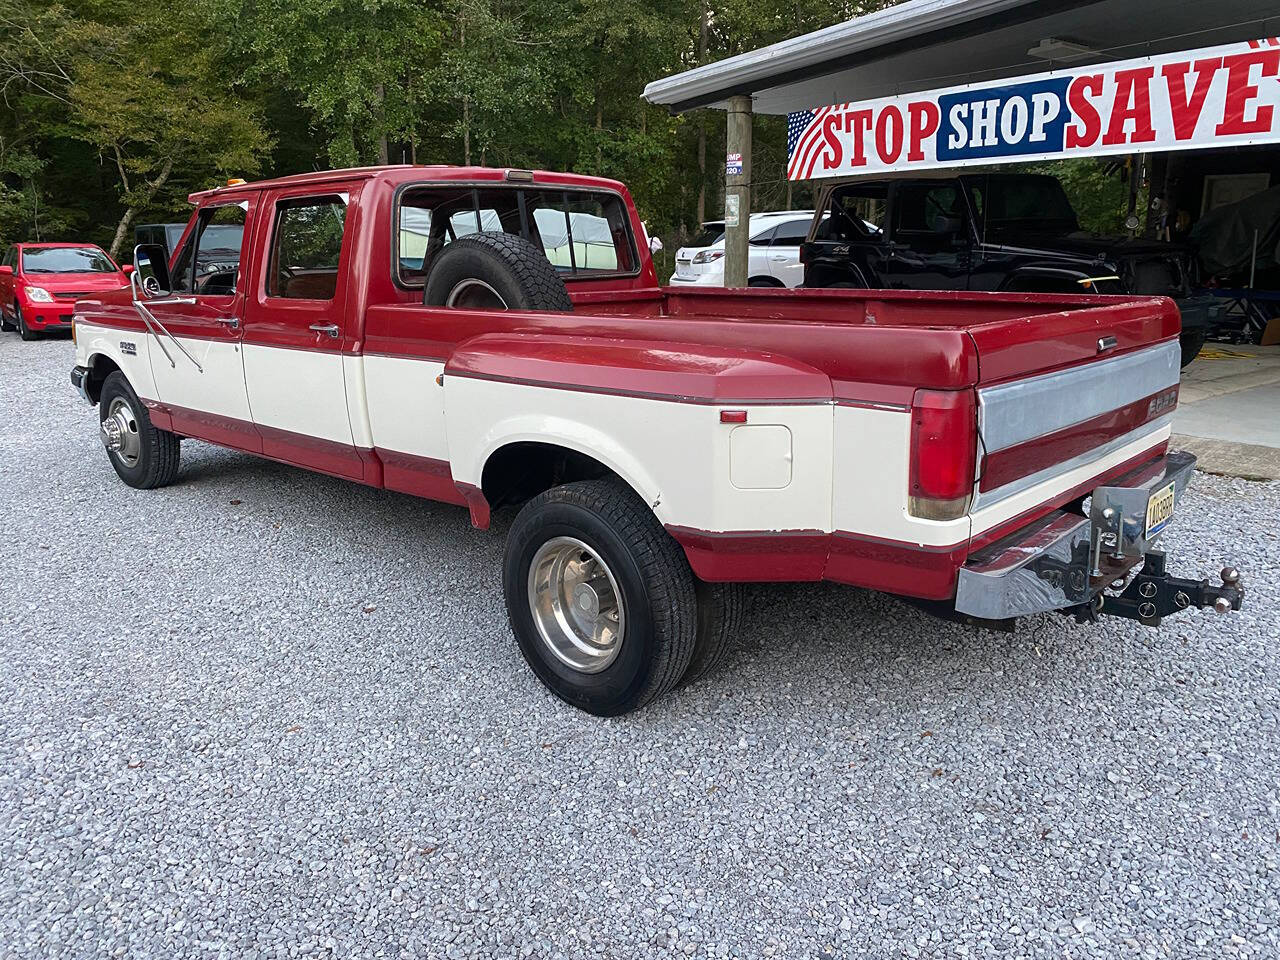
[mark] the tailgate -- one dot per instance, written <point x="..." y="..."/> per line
<point x="1069" y="395"/>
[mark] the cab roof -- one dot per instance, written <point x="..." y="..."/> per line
<point x="414" y="173"/>
<point x="53" y="246"/>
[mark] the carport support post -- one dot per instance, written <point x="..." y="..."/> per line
<point x="737" y="237"/>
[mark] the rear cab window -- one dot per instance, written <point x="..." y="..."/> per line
<point x="582" y="233"/>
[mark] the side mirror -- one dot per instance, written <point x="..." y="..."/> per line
<point x="151" y="263"/>
<point x="127" y="269"/>
<point x="6" y="271"/>
<point x="654" y="244"/>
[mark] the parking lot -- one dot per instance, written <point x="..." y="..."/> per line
<point x="268" y="713"/>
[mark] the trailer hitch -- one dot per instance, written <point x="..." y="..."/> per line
<point x="1153" y="594"/>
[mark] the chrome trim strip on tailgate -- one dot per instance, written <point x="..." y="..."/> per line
<point x="1014" y="413"/>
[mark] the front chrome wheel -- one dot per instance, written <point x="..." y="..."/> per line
<point x="576" y="604"/>
<point x="120" y="434"/>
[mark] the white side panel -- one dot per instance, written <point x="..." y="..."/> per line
<point x="218" y="387"/>
<point x="302" y="391"/>
<point x="676" y="455"/>
<point x="353" y="371"/>
<point x="406" y="406"/>
<point x="92" y="340"/>
<point x="872" y="467"/>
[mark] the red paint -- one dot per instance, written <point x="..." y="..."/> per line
<point x="1187" y="107"/>
<point x="639" y="369"/>
<point x="1080" y="97"/>
<point x="810" y="555"/>
<point x="889" y="130"/>
<point x="1241" y="92"/>
<point x="754" y="556"/>
<point x="419" y="476"/>
<point x="477" y="503"/>
<point x="1025" y="459"/>
<point x="858" y="123"/>
<point x="1132" y="103"/>
<point x="213" y="427"/>
<point x="910" y="570"/>
<point x="924" y="119"/>
<point x="1011" y="351"/>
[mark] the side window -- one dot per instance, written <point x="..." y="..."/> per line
<point x="792" y="233"/>
<point x="306" y="247"/>
<point x="926" y="208"/>
<point x="10" y="257"/>
<point x="857" y="212"/>
<point x="217" y="260"/>
<point x="762" y="239"/>
<point x="581" y="233"/>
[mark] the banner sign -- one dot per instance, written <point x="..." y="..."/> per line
<point x="1216" y="97"/>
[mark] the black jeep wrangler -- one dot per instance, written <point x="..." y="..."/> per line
<point x="988" y="231"/>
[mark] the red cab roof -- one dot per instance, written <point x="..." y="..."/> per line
<point x="410" y="173"/>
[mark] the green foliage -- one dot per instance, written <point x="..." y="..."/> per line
<point x="111" y="111"/>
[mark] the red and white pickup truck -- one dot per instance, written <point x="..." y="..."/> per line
<point x="498" y="338"/>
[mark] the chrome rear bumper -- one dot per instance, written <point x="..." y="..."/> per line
<point x="1067" y="560"/>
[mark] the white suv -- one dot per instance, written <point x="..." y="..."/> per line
<point x="774" y="253"/>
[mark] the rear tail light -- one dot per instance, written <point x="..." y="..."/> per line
<point x="944" y="442"/>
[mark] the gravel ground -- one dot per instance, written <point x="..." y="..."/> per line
<point x="268" y="713"/>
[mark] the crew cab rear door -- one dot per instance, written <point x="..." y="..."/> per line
<point x="296" y="323"/>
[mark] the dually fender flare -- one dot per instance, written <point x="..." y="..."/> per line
<point x="575" y="435"/>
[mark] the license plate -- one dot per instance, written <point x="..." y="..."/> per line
<point x="1159" y="510"/>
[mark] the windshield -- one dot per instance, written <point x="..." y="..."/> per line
<point x="1022" y="201"/>
<point x="66" y="260"/>
<point x="225" y="238"/>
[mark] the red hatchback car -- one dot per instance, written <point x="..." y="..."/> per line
<point x="40" y="283"/>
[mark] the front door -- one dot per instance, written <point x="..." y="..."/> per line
<point x="929" y="246"/>
<point x="296" y="324"/>
<point x="200" y="379"/>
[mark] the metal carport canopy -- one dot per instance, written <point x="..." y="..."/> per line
<point x="921" y="44"/>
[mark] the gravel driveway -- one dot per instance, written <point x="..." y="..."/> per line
<point x="269" y="713"/>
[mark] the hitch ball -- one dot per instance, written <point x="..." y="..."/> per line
<point x="1230" y="576"/>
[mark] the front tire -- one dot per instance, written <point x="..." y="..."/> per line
<point x="601" y="599"/>
<point x="23" y="330"/>
<point x="144" y="456"/>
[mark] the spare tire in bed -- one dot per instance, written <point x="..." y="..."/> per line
<point x="494" y="271"/>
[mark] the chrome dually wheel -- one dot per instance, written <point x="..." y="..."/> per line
<point x="120" y="433"/>
<point x="576" y="604"/>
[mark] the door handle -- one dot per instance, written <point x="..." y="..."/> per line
<point x="330" y="329"/>
<point x="779" y="259"/>
<point x="232" y="322"/>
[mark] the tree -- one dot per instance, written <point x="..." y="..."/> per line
<point x="146" y="93"/>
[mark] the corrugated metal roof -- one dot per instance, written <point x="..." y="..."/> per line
<point x="826" y="50"/>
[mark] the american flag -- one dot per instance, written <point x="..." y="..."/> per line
<point x="804" y="141"/>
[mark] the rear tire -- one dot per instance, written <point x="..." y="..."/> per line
<point x="148" y="457"/>
<point x="721" y="611"/>
<point x="23" y="330"/>
<point x="613" y="541"/>
<point x="1191" y="341"/>
<point x="495" y="271"/>
<point x="5" y="323"/>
